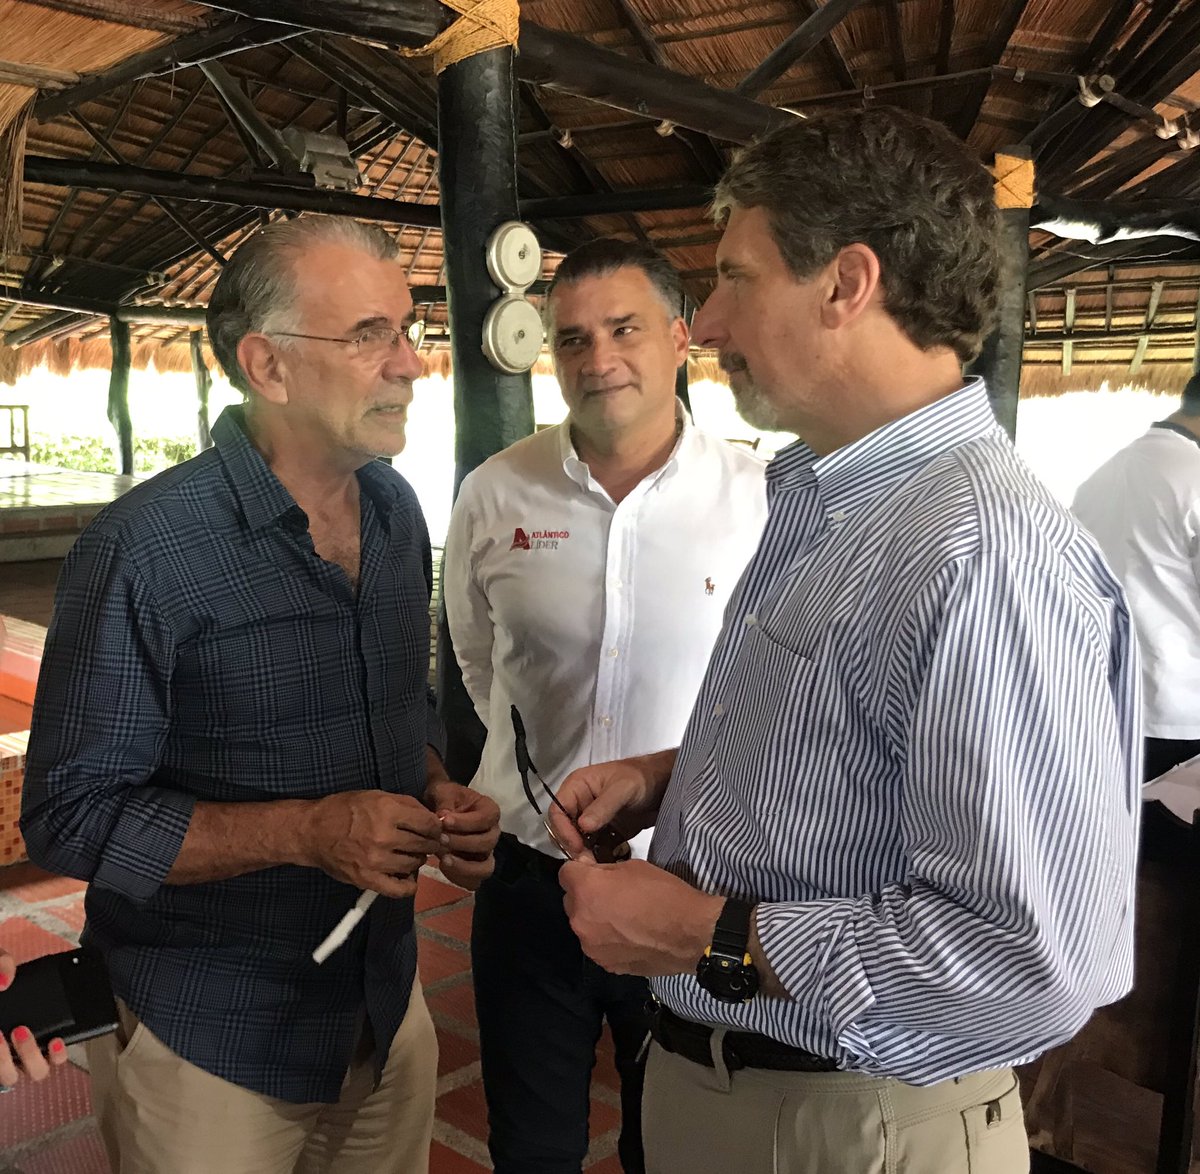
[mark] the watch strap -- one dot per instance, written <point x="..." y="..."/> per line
<point x="731" y="935"/>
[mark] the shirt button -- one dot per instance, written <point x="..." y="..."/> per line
<point x="613" y="651"/>
<point x="838" y="516"/>
<point x="718" y="709"/>
<point x="606" y="721"/>
<point x="750" y="620"/>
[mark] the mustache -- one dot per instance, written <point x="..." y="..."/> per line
<point x="732" y="363"/>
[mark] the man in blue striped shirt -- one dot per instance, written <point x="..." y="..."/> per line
<point x="894" y="854"/>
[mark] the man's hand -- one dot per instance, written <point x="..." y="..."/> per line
<point x="634" y="918"/>
<point x="470" y="828"/>
<point x="626" y="794"/>
<point x="370" y="839"/>
<point x="33" y="1065"/>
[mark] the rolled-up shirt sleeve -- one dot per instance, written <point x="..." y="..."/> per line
<point x="90" y="808"/>
<point x="1021" y="776"/>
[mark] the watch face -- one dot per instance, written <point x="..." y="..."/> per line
<point x="727" y="979"/>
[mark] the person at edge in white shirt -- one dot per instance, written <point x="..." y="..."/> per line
<point x="587" y="568"/>
<point x="1143" y="507"/>
<point x="894" y="854"/>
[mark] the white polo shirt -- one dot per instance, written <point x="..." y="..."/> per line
<point x="595" y="619"/>
<point x="1143" y="508"/>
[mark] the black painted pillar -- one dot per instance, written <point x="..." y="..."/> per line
<point x="681" y="374"/>
<point x="477" y="174"/>
<point x="118" y="393"/>
<point x="1000" y="360"/>
<point x="203" y="384"/>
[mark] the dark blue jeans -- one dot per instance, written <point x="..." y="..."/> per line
<point x="541" y="1005"/>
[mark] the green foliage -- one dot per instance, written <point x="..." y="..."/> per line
<point x="94" y="454"/>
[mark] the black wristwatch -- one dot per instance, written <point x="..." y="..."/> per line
<point x="726" y="971"/>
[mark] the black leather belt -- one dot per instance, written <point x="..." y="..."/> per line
<point x="740" y="1049"/>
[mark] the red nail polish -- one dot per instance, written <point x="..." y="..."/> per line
<point x="20" y="1035"/>
<point x="4" y="981"/>
<point x="57" y="1045"/>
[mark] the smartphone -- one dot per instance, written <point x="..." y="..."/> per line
<point x="64" y="995"/>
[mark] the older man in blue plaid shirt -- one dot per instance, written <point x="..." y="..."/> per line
<point x="233" y="735"/>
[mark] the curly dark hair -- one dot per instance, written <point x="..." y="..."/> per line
<point x="899" y="183"/>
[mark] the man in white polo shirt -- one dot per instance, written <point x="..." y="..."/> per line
<point x="587" y="570"/>
<point x="1143" y="508"/>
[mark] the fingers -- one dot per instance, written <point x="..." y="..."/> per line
<point x="481" y="817"/>
<point x="9" y="1072"/>
<point x="467" y="873"/>
<point x="388" y="886"/>
<point x="410" y="815"/>
<point x="56" y="1053"/>
<point x="481" y="844"/>
<point x="8" y="968"/>
<point x="32" y="1060"/>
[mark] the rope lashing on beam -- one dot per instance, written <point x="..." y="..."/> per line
<point x="1014" y="178"/>
<point x="481" y="25"/>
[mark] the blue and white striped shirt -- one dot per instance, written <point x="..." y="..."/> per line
<point x="916" y="748"/>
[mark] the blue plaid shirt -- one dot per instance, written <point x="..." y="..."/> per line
<point x="201" y="650"/>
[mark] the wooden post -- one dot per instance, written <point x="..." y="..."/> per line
<point x="999" y="363"/>
<point x="203" y="383"/>
<point x="681" y="375"/>
<point x="118" y="394"/>
<point x="477" y="174"/>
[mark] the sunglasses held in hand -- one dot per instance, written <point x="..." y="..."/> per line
<point x="607" y="845"/>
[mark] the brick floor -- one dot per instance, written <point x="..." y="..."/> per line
<point x="48" y="1129"/>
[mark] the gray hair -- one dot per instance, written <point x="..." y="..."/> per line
<point x="603" y="257"/>
<point x="256" y="291"/>
<point x="898" y="183"/>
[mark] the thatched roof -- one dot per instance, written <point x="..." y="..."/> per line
<point x="97" y="246"/>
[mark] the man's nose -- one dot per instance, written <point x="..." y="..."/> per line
<point x="403" y="362"/>
<point x="708" y="330"/>
<point x="599" y="357"/>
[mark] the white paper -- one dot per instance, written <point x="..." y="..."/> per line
<point x="1178" y="790"/>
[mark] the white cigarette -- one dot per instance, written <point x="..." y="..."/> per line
<point x="345" y="927"/>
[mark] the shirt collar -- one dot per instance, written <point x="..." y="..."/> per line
<point x="578" y="471"/>
<point x="263" y="498"/>
<point x="857" y="473"/>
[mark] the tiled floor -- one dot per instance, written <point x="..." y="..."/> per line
<point x="48" y="1129"/>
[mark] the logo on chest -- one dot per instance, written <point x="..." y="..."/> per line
<point x="538" y="539"/>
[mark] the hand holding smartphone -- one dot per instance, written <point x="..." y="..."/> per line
<point x="65" y="996"/>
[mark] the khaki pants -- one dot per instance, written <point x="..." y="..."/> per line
<point x="159" y="1114"/>
<point x="699" y="1120"/>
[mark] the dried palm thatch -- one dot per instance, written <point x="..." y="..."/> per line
<point x="13" y="132"/>
<point x="1048" y="380"/>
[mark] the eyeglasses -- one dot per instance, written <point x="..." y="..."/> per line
<point x="607" y="845"/>
<point x="372" y="344"/>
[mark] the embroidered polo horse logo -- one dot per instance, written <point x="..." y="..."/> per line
<point x="709" y="586"/>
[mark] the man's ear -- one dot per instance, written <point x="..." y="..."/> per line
<point x="263" y="362"/>
<point x="855" y="281"/>
<point x="679" y="336"/>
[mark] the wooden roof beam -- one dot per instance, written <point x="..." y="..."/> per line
<point x="229" y="37"/>
<point x="896" y="39"/>
<point x="547" y="58"/>
<point x="176" y="218"/>
<point x="699" y="148"/>
<point x="81" y="173"/>
<point x="796" y="46"/>
<point x="123" y="12"/>
<point x="1005" y="26"/>
<point x="836" y="60"/>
